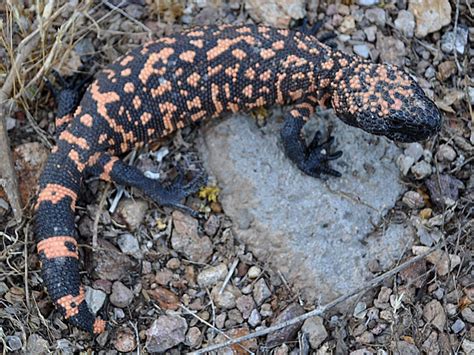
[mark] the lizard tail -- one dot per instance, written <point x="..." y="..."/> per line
<point x="55" y="235"/>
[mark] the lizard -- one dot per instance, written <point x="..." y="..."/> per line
<point x="194" y="75"/>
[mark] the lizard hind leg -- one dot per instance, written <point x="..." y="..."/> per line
<point x="111" y="168"/>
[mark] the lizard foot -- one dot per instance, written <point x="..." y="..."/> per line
<point x="318" y="158"/>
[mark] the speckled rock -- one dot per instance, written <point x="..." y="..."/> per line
<point x="165" y="333"/>
<point x="430" y="15"/>
<point x="277" y="13"/>
<point x="311" y="230"/>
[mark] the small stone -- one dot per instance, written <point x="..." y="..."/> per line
<point x="166" y="299"/>
<point x="146" y="267"/>
<point x="430" y="345"/>
<point x="414" y="150"/>
<point x="226" y="299"/>
<point x="404" y="348"/>
<point x="173" y="264"/>
<point x="430" y="72"/>
<point x="458" y="326"/>
<point x="468" y="315"/>
<point x="121" y="295"/>
<point x="421" y="170"/>
<point x="445" y="153"/>
<point x="368" y="2"/>
<point x="467" y="346"/>
<point x="446" y="69"/>
<point x="185" y="238"/>
<point x="165" y="333"/>
<point x="384" y="295"/>
<point x="103" y="285"/>
<point x="14" y="342"/>
<point x="128" y="244"/>
<point x="246" y="305"/>
<point x="261" y="291"/>
<point x="211" y="275"/>
<point x="288" y="333"/>
<point x="234" y="317"/>
<point x="125" y="340"/>
<point x="450" y="41"/>
<point x="119" y="313"/>
<point x="376" y="15"/>
<point x="3" y="288"/>
<point x="109" y="263"/>
<point x="451" y="309"/>
<point x="131" y="212"/>
<point x="392" y="50"/>
<point x="281" y="350"/>
<point x="430" y="15"/>
<point x="235" y="348"/>
<point x="220" y="320"/>
<point x="405" y="23"/>
<point x="404" y="163"/>
<point x="439" y="293"/>
<point x="276" y="13"/>
<point x="413" y="199"/>
<point x="254" y="318"/>
<point x="364" y="351"/>
<point x="362" y="50"/>
<point x="212" y="225"/>
<point x="95" y="299"/>
<point x="266" y="310"/>
<point x="163" y="277"/>
<point x="442" y="261"/>
<point x="194" y="337"/>
<point x="433" y="313"/>
<point x="444" y="189"/>
<point x="254" y="272"/>
<point x="370" y="32"/>
<point x="37" y="345"/>
<point x="360" y="310"/>
<point x="366" y="338"/>
<point x="348" y="25"/>
<point x="315" y="330"/>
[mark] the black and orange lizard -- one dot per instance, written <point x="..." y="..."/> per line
<point x="204" y="72"/>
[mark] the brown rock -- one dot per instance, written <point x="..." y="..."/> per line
<point x="125" y="340"/>
<point x="109" y="263"/>
<point x="165" y="298"/>
<point x="287" y="333"/>
<point x="430" y="15"/>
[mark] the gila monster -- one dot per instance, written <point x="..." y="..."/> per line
<point x="203" y="72"/>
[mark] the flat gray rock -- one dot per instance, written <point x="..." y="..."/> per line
<point x="319" y="234"/>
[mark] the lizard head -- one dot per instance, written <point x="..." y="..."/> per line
<point x="384" y="100"/>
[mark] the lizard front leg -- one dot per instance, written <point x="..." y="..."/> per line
<point x="313" y="159"/>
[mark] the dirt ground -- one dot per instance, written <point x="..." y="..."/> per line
<point x="170" y="283"/>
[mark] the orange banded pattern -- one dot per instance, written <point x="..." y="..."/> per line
<point x="55" y="247"/>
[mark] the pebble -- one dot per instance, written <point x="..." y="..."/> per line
<point x="430" y="72"/>
<point x="194" y="337"/>
<point x="413" y="199"/>
<point x="121" y="295"/>
<point x="119" y="313"/>
<point x="404" y="163"/>
<point x="451" y="309"/>
<point x="173" y="264"/>
<point x="236" y="348"/>
<point x="226" y="299"/>
<point x="109" y="263"/>
<point x="430" y="345"/>
<point x="246" y="305"/>
<point x="421" y="170"/>
<point x="362" y="50"/>
<point x="450" y="41"/>
<point x="468" y="315"/>
<point x="146" y="267"/>
<point x="128" y="244"/>
<point x="315" y="330"/>
<point x="165" y="333"/>
<point x="261" y="291"/>
<point x="95" y="299"/>
<point x="442" y="261"/>
<point x="445" y="153"/>
<point x="363" y="351"/>
<point x="254" y="318"/>
<point x="166" y="299"/>
<point x="288" y="333"/>
<point x="404" y="348"/>
<point x="281" y="350"/>
<point x="125" y="340"/>
<point x="220" y="320"/>
<point x="444" y="189"/>
<point x="458" y="326"/>
<point x="276" y="13"/>
<point x="347" y="25"/>
<point x="468" y="346"/>
<point x="37" y="345"/>
<point x="212" y="225"/>
<point x="446" y="69"/>
<point x="433" y="313"/>
<point x="234" y="318"/>
<point x="414" y="150"/>
<point x="430" y="15"/>
<point x="405" y="23"/>
<point x="368" y="2"/>
<point x="254" y="272"/>
<point x="376" y="15"/>
<point x="211" y="275"/>
<point x="185" y="238"/>
<point x="14" y="342"/>
<point x="371" y="33"/>
<point x="266" y="310"/>
<point x="365" y="338"/>
<point x="163" y="277"/>
<point x="3" y="288"/>
<point x="392" y="50"/>
<point x="360" y="310"/>
<point x="131" y="212"/>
